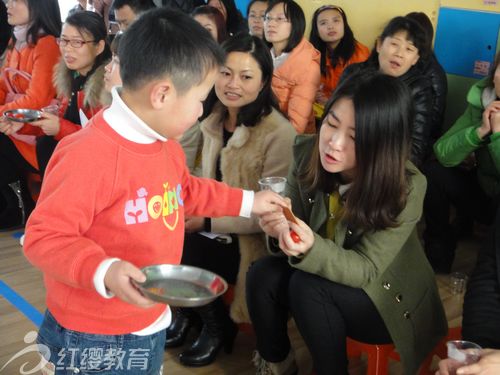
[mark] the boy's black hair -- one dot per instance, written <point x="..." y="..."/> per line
<point x="167" y="43"/>
<point x="296" y="17"/>
<point x="93" y="24"/>
<point x="137" y="6"/>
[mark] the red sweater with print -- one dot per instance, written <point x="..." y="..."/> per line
<point x="104" y="196"/>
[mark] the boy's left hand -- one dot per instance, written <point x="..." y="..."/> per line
<point x="118" y="280"/>
<point x="267" y="201"/>
<point x="300" y="248"/>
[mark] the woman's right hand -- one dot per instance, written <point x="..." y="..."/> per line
<point x="486" y="126"/>
<point x="8" y="127"/>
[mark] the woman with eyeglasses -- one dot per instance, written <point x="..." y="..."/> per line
<point x="256" y="11"/>
<point x="33" y="52"/>
<point x="296" y="74"/>
<point x="79" y="81"/>
<point x="332" y="36"/>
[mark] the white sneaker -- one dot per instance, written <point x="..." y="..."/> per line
<point x="286" y="367"/>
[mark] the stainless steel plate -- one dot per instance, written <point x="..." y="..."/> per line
<point x="23" y="115"/>
<point x="179" y="285"/>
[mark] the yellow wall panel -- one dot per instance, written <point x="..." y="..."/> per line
<point x="488" y="5"/>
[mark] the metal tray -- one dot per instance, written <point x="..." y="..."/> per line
<point x="23" y="115"/>
<point x="179" y="285"/>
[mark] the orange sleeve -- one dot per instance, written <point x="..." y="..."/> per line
<point x="40" y="89"/>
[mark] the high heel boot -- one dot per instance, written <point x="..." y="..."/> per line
<point x="183" y="320"/>
<point x="218" y="331"/>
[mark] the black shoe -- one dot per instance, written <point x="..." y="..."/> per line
<point x="219" y="331"/>
<point x="184" y="319"/>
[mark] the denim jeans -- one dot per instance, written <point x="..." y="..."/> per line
<point x="72" y="352"/>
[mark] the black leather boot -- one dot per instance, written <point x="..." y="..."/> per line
<point x="218" y="331"/>
<point x="183" y="320"/>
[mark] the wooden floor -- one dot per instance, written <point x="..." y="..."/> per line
<point x="17" y="331"/>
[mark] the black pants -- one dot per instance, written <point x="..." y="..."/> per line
<point x="203" y="252"/>
<point x="325" y="313"/>
<point x="45" y="147"/>
<point x="14" y="167"/>
<point x="481" y="316"/>
<point x="445" y="187"/>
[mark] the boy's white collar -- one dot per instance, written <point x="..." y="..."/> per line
<point x="127" y="124"/>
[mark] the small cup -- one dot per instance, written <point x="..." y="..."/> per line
<point x="458" y="281"/>
<point x="462" y="353"/>
<point x="54" y="109"/>
<point x="276" y="184"/>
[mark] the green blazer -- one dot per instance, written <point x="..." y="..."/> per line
<point x="389" y="265"/>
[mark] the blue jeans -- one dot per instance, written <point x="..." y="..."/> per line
<point x="72" y="352"/>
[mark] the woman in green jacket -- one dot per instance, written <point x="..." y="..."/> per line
<point x="468" y="172"/>
<point x="357" y="269"/>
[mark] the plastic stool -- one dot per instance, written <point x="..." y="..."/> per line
<point x="440" y="350"/>
<point x="378" y="355"/>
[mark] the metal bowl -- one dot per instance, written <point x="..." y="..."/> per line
<point x="179" y="285"/>
<point x="23" y="115"/>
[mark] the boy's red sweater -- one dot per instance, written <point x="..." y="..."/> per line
<point x="105" y="196"/>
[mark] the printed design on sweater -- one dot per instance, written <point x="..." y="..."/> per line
<point x="166" y="206"/>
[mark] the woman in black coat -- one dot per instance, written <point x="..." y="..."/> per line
<point x="398" y="49"/>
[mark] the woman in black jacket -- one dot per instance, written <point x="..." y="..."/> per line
<point x="398" y="49"/>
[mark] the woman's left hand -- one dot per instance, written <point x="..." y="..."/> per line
<point x="300" y="248"/>
<point x="49" y="124"/>
<point x="194" y="224"/>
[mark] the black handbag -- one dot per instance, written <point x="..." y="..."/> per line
<point x="12" y="213"/>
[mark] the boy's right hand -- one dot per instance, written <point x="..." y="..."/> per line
<point x="118" y="280"/>
<point x="267" y="201"/>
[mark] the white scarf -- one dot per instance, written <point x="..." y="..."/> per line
<point x="21" y="33"/>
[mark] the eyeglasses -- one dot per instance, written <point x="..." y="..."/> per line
<point x="279" y="20"/>
<point x="75" y="43"/>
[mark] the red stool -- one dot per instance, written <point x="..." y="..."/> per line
<point x="378" y="355"/>
<point x="228" y="297"/>
<point x="440" y="350"/>
<point x="34" y="185"/>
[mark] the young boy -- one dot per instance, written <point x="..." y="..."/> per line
<point x="115" y="197"/>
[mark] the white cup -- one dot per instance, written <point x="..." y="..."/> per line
<point x="458" y="282"/>
<point x="462" y="353"/>
<point x="276" y="184"/>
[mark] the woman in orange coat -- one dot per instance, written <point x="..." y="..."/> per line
<point x="296" y="74"/>
<point x="332" y="36"/>
<point x="32" y="50"/>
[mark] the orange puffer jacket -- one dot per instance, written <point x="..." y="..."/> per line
<point x="295" y="83"/>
